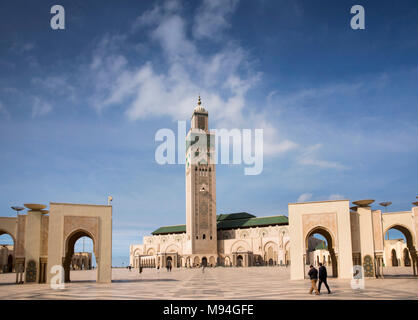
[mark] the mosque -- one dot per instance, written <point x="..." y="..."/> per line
<point x="354" y="235"/>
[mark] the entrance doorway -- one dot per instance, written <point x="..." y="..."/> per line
<point x="320" y="249"/>
<point x="169" y="262"/>
<point x="239" y="261"/>
<point x="75" y="262"/>
<point x="399" y="254"/>
<point x="204" y="262"/>
<point x="7" y="250"/>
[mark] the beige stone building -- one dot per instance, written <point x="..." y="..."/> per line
<point x="354" y="236"/>
<point x="235" y="239"/>
<point x="44" y="242"/>
<point x="396" y="253"/>
<point x="81" y="261"/>
<point x="7" y="259"/>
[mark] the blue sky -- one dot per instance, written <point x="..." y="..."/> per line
<point x="79" y="108"/>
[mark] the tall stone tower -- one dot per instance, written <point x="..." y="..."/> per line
<point x="200" y="186"/>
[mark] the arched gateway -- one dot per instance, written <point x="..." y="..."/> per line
<point x="355" y="236"/>
<point x="42" y="241"/>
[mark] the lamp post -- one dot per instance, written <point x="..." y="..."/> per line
<point x="17" y="209"/>
<point x="385" y="204"/>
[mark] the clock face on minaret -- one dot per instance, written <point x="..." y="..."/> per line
<point x="200" y="185"/>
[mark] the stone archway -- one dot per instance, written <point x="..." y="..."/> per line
<point x="394" y="258"/>
<point x="406" y="259"/>
<point x="270" y="253"/>
<point x="69" y="250"/>
<point x="331" y="245"/>
<point x="10" y="261"/>
<point x="410" y="241"/>
<point x="196" y="261"/>
<point x="68" y="223"/>
<point x="240" y="260"/>
<point x="227" y="261"/>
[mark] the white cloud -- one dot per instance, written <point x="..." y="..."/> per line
<point x="305" y="197"/>
<point x="3" y="110"/>
<point x="309" y="157"/>
<point x="40" y="107"/>
<point x="212" y="17"/>
<point x="223" y="78"/>
<point x="336" y="197"/>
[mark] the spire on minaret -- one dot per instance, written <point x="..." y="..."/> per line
<point x="199" y="108"/>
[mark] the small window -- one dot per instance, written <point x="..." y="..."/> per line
<point x="204" y="236"/>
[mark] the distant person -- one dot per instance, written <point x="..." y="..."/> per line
<point x="313" y="276"/>
<point x="129" y="267"/>
<point x="140" y="269"/>
<point x="203" y="268"/>
<point x="323" y="278"/>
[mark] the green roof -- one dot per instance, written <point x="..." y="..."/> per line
<point x="234" y="216"/>
<point x="170" y="229"/>
<point x="252" y="222"/>
<point x="231" y="221"/>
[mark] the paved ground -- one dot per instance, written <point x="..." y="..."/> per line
<point x="216" y="283"/>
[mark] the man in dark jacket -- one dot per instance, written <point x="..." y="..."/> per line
<point x="323" y="278"/>
<point x="313" y="275"/>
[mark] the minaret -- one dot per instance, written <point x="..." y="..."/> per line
<point x="200" y="186"/>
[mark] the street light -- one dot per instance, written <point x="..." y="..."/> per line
<point x="385" y="204"/>
<point x="17" y="209"/>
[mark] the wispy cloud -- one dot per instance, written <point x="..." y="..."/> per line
<point x="310" y="157"/>
<point x="40" y="107"/>
<point x="305" y="197"/>
<point x="223" y="78"/>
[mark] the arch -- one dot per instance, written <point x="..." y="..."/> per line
<point x="227" y="261"/>
<point x="150" y="251"/>
<point x="2" y="231"/>
<point x="323" y="231"/>
<point x="394" y="258"/>
<point x="10" y="263"/>
<point x="172" y="248"/>
<point x="196" y="260"/>
<point x="239" y="261"/>
<point x="410" y="241"/>
<point x="406" y="258"/>
<point x="330" y="238"/>
<point x="405" y="231"/>
<point x="212" y="261"/>
<point x="69" y="249"/>
<point x="240" y="245"/>
<point x="270" y="252"/>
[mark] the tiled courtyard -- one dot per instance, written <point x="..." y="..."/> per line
<point x="215" y="283"/>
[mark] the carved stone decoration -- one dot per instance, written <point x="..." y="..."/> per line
<point x="31" y="271"/>
<point x="368" y="266"/>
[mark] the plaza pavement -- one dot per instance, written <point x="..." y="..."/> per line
<point x="214" y="283"/>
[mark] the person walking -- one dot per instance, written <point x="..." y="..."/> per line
<point x="313" y="276"/>
<point x="323" y="278"/>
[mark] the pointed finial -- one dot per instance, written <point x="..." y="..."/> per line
<point x="199" y="102"/>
